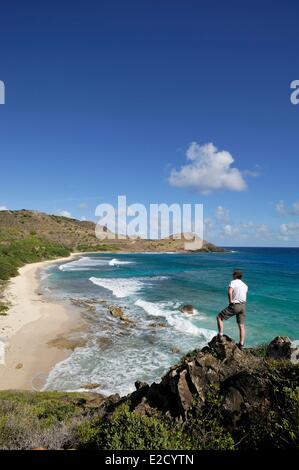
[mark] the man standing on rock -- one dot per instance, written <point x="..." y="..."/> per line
<point x="237" y="296"/>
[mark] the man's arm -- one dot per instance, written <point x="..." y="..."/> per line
<point x="230" y="295"/>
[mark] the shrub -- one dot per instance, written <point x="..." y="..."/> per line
<point x="103" y="247"/>
<point x="126" y="430"/>
<point x="16" y="253"/>
<point x="39" y="419"/>
<point x="279" y="427"/>
<point x="205" y="425"/>
<point x="3" y="308"/>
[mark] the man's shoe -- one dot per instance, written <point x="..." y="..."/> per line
<point x="240" y="346"/>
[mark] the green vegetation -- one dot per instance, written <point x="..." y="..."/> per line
<point x="103" y="247"/>
<point x="57" y="420"/>
<point x="279" y="429"/>
<point x="31" y="419"/>
<point x="126" y="430"/>
<point x="260" y="350"/>
<point x="16" y="253"/>
<point x="3" y="308"/>
<point x="205" y="426"/>
<point x="30" y="236"/>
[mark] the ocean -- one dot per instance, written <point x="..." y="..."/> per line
<point x="151" y="288"/>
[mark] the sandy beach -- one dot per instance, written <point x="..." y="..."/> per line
<point x="32" y="322"/>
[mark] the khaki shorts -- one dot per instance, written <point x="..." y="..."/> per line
<point x="234" y="309"/>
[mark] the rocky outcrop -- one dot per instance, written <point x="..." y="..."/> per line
<point x="90" y="305"/>
<point x="159" y="324"/>
<point x="282" y="348"/>
<point x="240" y="378"/>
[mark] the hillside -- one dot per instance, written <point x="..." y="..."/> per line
<point x="16" y="225"/>
<point x="215" y="398"/>
<point x="78" y="235"/>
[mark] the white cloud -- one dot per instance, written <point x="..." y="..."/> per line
<point x="208" y="170"/>
<point x="82" y="205"/>
<point x="263" y="229"/>
<point x="295" y="208"/>
<point x="208" y="228"/>
<point x="222" y="214"/>
<point x="3" y="208"/>
<point x="252" y="173"/>
<point x="63" y="213"/>
<point x="288" y="231"/>
<point x="230" y="230"/>
<point x="280" y="208"/>
<point x="248" y="230"/>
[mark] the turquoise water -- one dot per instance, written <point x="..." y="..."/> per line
<point x="152" y="288"/>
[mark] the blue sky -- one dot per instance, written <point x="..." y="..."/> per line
<point x="105" y="98"/>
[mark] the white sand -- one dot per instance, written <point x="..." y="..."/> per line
<point x="31" y="322"/>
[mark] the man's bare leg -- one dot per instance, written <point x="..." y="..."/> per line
<point x="220" y="325"/>
<point x="242" y="333"/>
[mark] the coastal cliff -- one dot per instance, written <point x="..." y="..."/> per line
<point x="218" y="397"/>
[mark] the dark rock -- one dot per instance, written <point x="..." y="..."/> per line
<point x="204" y="372"/>
<point x="225" y="348"/>
<point x="243" y="392"/>
<point x="175" y="350"/>
<point x="188" y="308"/>
<point x="139" y="385"/>
<point x="143" y="408"/>
<point x="240" y="380"/>
<point x="280" y="348"/>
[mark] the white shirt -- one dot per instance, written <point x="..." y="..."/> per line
<point x="239" y="291"/>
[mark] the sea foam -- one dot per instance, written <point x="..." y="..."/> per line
<point x="176" y="319"/>
<point x="120" y="287"/>
<point x="83" y="264"/>
<point x="116" y="262"/>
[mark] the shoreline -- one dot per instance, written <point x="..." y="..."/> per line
<point x="27" y="354"/>
<point x="34" y="332"/>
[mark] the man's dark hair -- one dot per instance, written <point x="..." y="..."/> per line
<point x="237" y="274"/>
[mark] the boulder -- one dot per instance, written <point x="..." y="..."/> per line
<point x="188" y="308"/>
<point x="117" y="312"/>
<point x="280" y="348"/>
